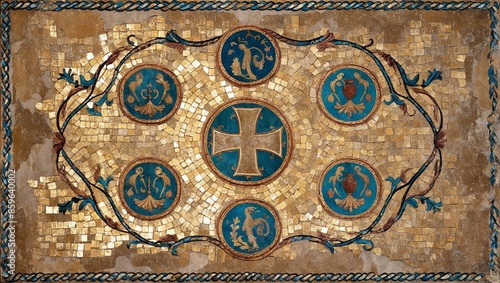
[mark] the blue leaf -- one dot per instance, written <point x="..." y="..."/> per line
<point x="410" y="82"/>
<point x="87" y="84"/>
<point x="104" y="100"/>
<point x="493" y="215"/>
<point x="394" y="99"/>
<point x="494" y="43"/>
<point x="67" y="206"/>
<point x="367" y="244"/>
<point x="84" y="203"/>
<point x="173" y="37"/>
<point x="394" y="182"/>
<point x="390" y="179"/>
<point x="330" y="247"/>
<point x="105" y="183"/>
<point x="433" y="75"/>
<point x="68" y="76"/>
<point x="173" y="250"/>
<point x="412" y="202"/>
<point x="430" y="204"/>
<point x="300" y="238"/>
<point x="492" y="92"/>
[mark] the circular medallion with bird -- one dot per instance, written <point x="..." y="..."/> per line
<point x="149" y="188"/>
<point x="149" y="94"/>
<point x="248" y="56"/>
<point x="249" y="229"/>
<point x="349" y="188"/>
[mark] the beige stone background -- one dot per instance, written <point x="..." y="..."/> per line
<point x="455" y="239"/>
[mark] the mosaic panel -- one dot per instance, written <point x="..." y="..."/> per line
<point x="202" y="139"/>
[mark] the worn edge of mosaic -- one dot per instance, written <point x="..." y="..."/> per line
<point x="491" y="7"/>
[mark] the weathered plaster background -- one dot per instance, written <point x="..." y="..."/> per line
<point x="454" y="239"/>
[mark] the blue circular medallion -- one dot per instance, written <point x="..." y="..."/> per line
<point x="249" y="229"/>
<point x="149" y="188"/>
<point x="247" y="142"/>
<point x="349" y="188"/>
<point x="149" y="94"/>
<point x="248" y="56"/>
<point x="349" y="94"/>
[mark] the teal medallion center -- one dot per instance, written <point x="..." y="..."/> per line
<point x="249" y="229"/>
<point x="349" y="94"/>
<point x="248" y="56"/>
<point x="149" y="94"/>
<point x="149" y="188"/>
<point x="247" y="142"/>
<point x="349" y="188"/>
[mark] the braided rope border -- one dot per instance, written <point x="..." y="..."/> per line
<point x="246" y="5"/>
<point x="7" y="136"/>
<point x="493" y="122"/>
<point x="491" y="6"/>
<point x="246" y="276"/>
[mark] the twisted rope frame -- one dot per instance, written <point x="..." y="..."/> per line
<point x="6" y="97"/>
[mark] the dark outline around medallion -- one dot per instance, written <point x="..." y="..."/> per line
<point x="321" y="104"/>
<point x="142" y="121"/>
<point x="227" y="76"/>
<point x="370" y="168"/>
<point x="121" y="190"/>
<point x="265" y="252"/>
<point x="206" y="128"/>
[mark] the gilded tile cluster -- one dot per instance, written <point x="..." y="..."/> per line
<point x="390" y="141"/>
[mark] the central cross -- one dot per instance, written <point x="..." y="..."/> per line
<point x="247" y="142"/>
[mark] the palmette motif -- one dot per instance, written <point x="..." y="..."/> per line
<point x="350" y="188"/>
<point x="149" y="94"/>
<point x="150" y="188"/>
